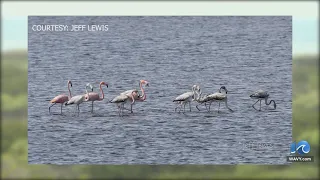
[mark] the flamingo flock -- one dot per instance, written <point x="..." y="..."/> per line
<point x="133" y="95"/>
<point x="129" y="96"/>
<point x="220" y="96"/>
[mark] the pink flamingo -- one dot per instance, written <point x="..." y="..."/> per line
<point x="95" y="96"/>
<point x="61" y="99"/>
<point x="137" y="96"/>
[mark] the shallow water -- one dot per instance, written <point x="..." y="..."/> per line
<point x="172" y="53"/>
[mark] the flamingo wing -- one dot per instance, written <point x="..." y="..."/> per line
<point x="259" y="94"/>
<point x="119" y="99"/>
<point x="216" y="96"/>
<point x="93" y="96"/>
<point x="183" y="96"/>
<point x="129" y="93"/>
<point x="75" y="100"/>
<point x="60" y="99"/>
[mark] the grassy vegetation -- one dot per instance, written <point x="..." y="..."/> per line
<point x="14" y="141"/>
<point x="14" y="83"/>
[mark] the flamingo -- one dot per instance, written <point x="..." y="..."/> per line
<point x="95" y="96"/>
<point x="137" y="96"/>
<point x="61" y="99"/>
<point x="204" y="99"/>
<point x="121" y="99"/>
<point x="77" y="100"/>
<point x="185" y="98"/>
<point x="220" y="96"/>
<point x="260" y="95"/>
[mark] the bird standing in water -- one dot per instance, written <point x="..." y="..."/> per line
<point x="220" y="96"/>
<point x="137" y="96"/>
<point x="260" y="95"/>
<point x="93" y="96"/>
<point x="61" y="99"/>
<point x="185" y="98"/>
<point x="121" y="99"/>
<point x="77" y="100"/>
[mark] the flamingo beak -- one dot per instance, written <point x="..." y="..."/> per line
<point x="107" y="85"/>
<point x="147" y="84"/>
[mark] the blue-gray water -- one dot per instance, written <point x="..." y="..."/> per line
<point x="172" y="53"/>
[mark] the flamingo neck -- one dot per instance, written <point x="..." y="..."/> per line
<point x="69" y="91"/>
<point x="132" y="97"/>
<point x="269" y="101"/>
<point x="197" y="98"/>
<point x="194" y="93"/>
<point x="144" y="96"/>
<point x="102" y="94"/>
<point x="266" y="101"/>
<point x="201" y="99"/>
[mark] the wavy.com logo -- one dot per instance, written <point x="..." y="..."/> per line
<point x="301" y="147"/>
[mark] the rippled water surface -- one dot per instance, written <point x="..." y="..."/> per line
<point x="172" y="53"/>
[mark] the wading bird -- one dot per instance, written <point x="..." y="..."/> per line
<point x="93" y="96"/>
<point x="260" y="95"/>
<point x="202" y="99"/>
<point x="137" y="96"/>
<point x="220" y="96"/>
<point x="77" y="100"/>
<point x="61" y="99"/>
<point x="121" y="99"/>
<point x="185" y="98"/>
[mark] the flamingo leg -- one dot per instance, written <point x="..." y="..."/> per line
<point x="209" y="106"/>
<point x="219" y="107"/>
<point x="92" y="107"/>
<point x="184" y="107"/>
<point x="50" y="107"/>
<point x="78" y="109"/>
<point x="122" y="109"/>
<point x="260" y="106"/>
<point x="118" y="108"/>
<point x="61" y="107"/>
<point x="131" y="108"/>
<point x="226" y="103"/>
<point x="181" y="104"/>
<point x="201" y="104"/>
<point x="190" y="106"/>
<point x="205" y="104"/>
<point x="254" y="104"/>
<point x="197" y="107"/>
<point x="175" y="109"/>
